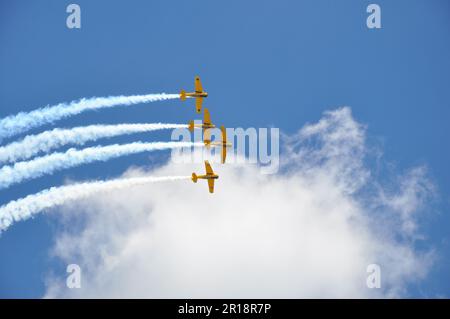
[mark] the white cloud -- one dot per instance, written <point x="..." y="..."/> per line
<point x="310" y="231"/>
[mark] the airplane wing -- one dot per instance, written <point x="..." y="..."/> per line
<point x="198" y="104"/>
<point x="211" y="185"/>
<point x="207" y="135"/>
<point x="206" y="117"/>
<point x="208" y="168"/>
<point x="224" y="134"/>
<point x="198" y="84"/>
<point x="224" y="154"/>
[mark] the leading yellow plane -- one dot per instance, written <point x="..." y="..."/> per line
<point x="199" y="94"/>
<point x="224" y="144"/>
<point x="210" y="176"/>
<point x="206" y="122"/>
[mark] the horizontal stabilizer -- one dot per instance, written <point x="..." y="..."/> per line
<point x="191" y="126"/>
<point x="183" y="95"/>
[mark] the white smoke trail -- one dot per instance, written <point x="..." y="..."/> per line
<point x="48" y="164"/>
<point x="26" y="207"/>
<point x="48" y="140"/>
<point x="24" y="121"/>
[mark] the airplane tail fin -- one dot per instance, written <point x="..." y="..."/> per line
<point x="194" y="177"/>
<point x="191" y="126"/>
<point x="183" y="95"/>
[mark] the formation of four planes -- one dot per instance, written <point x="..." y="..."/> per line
<point x="206" y="126"/>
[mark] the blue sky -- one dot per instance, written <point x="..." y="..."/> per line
<point x="264" y="63"/>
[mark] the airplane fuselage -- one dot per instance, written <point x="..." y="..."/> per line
<point x="197" y="94"/>
<point x="223" y="144"/>
<point x="208" y="176"/>
<point x="206" y="126"/>
<point x="202" y="126"/>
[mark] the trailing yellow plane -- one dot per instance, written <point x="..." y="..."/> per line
<point x="210" y="176"/>
<point x="206" y="122"/>
<point x="223" y="143"/>
<point x="199" y="94"/>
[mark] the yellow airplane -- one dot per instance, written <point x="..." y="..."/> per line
<point x="223" y="143"/>
<point x="206" y="122"/>
<point x="210" y="176"/>
<point x="199" y="94"/>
